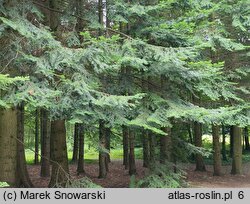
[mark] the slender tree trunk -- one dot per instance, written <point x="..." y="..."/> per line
<point x="24" y="179"/>
<point x="79" y="9"/>
<point x="107" y="17"/>
<point x="80" y="166"/>
<point x="237" y="150"/>
<point x="145" y="136"/>
<point x="132" y="167"/>
<point x="166" y="147"/>
<point x="125" y="133"/>
<point x="145" y="141"/>
<point x="36" y="160"/>
<point x="190" y="135"/>
<point x="54" y="17"/>
<point x="246" y="136"/>
<point x="60" y="168"/>
<point x="8" y="156"/>
<point x="45" y="144"/>
<point x="224" y="151"/>
<point x="152" y="145"/>
<point x="231" y="142"/>
<point x="100" y="15"/>
<point x="108" y="134"/>
<point x="102" y="154"/>
<point x="76" y="143"/>
<point x="217" y="150"/>
<point x="243" y="142"/>
<point x="200" y="166"/>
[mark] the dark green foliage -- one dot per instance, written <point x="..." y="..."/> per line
<point x="82" y="183"/>
<point x="163" y="176"/>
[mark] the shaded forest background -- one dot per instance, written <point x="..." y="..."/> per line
<point x="158" y="84"/>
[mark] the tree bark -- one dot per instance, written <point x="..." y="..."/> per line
<point x="102" y="153"/>
<point x="8" y="146"/>
<point x="246" y="136"/>
<point x="237" y="150"/>
<point x="151" y="148"/>
<point x="23" y="176"/>
<point x="60" y="168"/>
<point x="132" y="167"/>
<point x="125" y="134"/>
<point x="231" y="142"/>
<point x="145" y="141"/>
<point x="190" y="135"/>
<point x="36" y="160"/>
<point x="54" y="17"/>
<point x="76" y="143"/>
<point x="217" y="150"/>
<point x="80" y="10"/>
<point x="200" y="166"/>
<point x="100" y="16"/>
<point x="45" y="144"/>
<point x="80" y="166"/>
<point x="224" y="151"/>
<point x="166" y="147"/>
<point x="108" y="134"/>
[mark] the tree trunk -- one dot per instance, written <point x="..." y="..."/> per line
<point x="60" y="168"/>
<point x="189" y="129"/>
<point x="125" y="134"/>
<point x="24" y="180"/>
<point x="166" y="146"/>
<point x="80" y="9"/>
<point x="8" y="156"/>
<point x="224" y="151"/>
<point x="200" y="166"/>
<point x="231" y="142"/>
<point x="145" y="141"/>
<point x="237" y="151"/>
<point x="108" y="134"/>
<point x="217" y="150"/>
<point x="54" y="17"/>
<point x="107" y="17"/>
<point x="102" y="153"/>
<point x="100" y="16"/>
<point x="76" y="144"/>
<point x="36" y="160"/>
<point x="132" y="167"/>
<point x="151" y="148"/>
<point x="45" y="144"/>
<point x="80" y="166"/>
<point x="246" y="136"/>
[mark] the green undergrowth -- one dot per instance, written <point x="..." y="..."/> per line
<point x="84" y="182"/>
<point x="91" y="156"/>
<point x="161" y="176"/>
<point x="3" y="184"/>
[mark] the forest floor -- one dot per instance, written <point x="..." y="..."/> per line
<point x="119" y="178"/>
<point x="226" y="180"/>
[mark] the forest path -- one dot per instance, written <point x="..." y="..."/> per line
<point x="119" y="178"/>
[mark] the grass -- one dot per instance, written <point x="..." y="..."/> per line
<point x="90" y="156"/>
<point x="3" y="184"/>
